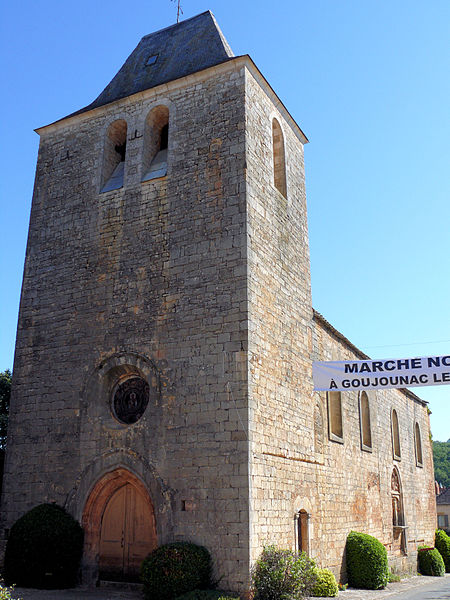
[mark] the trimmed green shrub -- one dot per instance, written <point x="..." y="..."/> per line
<point x="442" y="543"/>
<point x="367" y="563"/>
<point x="430" y="562"/>
<point x="326" y="585"/>
<point x="281" y="574"/>
<point x="208" y="595"/>
<point x="44" y="549"/>
<point x="174" y="569"/>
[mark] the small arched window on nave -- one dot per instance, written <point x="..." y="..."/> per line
<point x="364" y="418"/>
<point x="395" y="435"/>
<point x="156" y="144"/>
<point x="114" y="156"/>
<point x="279" y="161"/>
<point x="418" y="445"/>
<point x="335" y="429"/>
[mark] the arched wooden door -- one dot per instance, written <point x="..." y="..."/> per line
<point x="127" y="534"/>
<point x="119" y="527"/>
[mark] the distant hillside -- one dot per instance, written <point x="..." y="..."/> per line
<point x="441" y="456"/>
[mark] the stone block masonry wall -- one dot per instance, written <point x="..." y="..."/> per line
<point x="279" y="329"/>
<point x="295" y="466"/>
<point x="355" y="485"/>
<point x="149" y="278"/>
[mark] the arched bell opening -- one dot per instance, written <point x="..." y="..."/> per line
<point x="114" y="156"/>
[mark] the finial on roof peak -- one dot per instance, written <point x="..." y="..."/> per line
<point x="179" y="9"/>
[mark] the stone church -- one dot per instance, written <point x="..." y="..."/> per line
<point x="162" y="384"/>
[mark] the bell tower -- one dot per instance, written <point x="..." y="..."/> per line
<point x="166" y="290"/>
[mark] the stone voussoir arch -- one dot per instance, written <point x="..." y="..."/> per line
<point x="96" y="484"/>
<point x="124" y="361"/>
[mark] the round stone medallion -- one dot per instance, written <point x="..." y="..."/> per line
<point x="130" y="400"/>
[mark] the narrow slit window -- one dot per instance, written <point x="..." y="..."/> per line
<point x="335" y="417"/>
<point x="302" y="520"/>
<point x="418" y="445"/>
<point x="395" y="435"/>
<point x="279" y="162"/>
<point x="364" y="416"/>
<point x="114" y="156"/>
<point x="156" y="144"/>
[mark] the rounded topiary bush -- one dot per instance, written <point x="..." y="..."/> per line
<point x="326" y="585"/>
<point x="367" y="563"/>
<point x="282" y="574"/>
<point x="174" y="569"/>
<point x="44" y="549"/>
<point x="430" y="562"/>
<point x="442" y="543"/>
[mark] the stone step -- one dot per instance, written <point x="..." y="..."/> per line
<point x="120" y="585"/>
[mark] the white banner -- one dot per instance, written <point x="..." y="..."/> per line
<point x="381" y="374"/>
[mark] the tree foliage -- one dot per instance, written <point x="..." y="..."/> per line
<point x="441" y="457"/>
<point x="5" y="394"/>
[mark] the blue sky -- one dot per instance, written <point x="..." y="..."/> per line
<point x="368" y="82"/>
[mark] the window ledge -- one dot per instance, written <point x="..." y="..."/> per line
<point x="156" y="178"/>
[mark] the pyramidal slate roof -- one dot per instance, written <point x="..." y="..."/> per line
<point x="174" y="52"/>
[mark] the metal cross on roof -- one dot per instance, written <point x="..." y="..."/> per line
<point x="179" y="9"/>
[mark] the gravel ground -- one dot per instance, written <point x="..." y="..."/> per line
<point x="417" y="587"/>
<point x="78" y="594"/>
<point x="407" y="588"/>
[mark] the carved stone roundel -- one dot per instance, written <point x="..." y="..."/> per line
<point x="130" y="400"/>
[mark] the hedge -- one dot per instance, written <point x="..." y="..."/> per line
<point x="44" y="549"/>
<point x="367" y="563"/>
<point x="326" y="585"/>
<point x="430" y="562"/>
<point x="174" y="569"/>
<point x="442" y="543"/>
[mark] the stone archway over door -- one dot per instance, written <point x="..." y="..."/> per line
<point x="127" y="534"/>
<point x="119" y="524"/>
